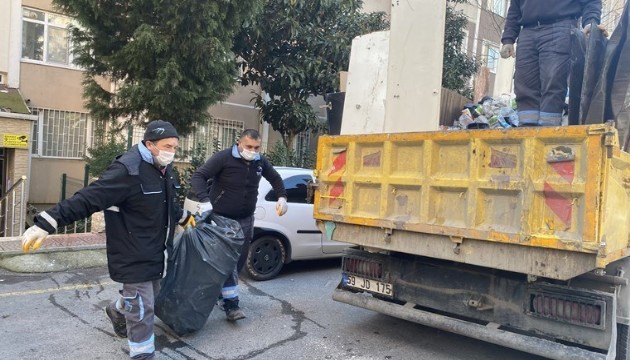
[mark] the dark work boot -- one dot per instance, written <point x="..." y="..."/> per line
<point x="118" y="321"/>
<point x="232" y="311"/>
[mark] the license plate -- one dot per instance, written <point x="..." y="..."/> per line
<point x="368" y="284"/>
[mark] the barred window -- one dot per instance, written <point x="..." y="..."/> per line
<point x="215" y="135"/>
<point x="302" y="142"/>
<point x="60" y="133"/>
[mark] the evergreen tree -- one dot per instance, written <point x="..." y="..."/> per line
<point x="294" y="50"/>
<point x="168" y="60"/>
<point x="458" y="67"/>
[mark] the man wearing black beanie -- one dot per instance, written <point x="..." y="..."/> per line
<point x="137" y="194"/>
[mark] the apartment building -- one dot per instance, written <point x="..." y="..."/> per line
<point x="486" y="19"/>
<point x="482" y="41"/>
<point x="36" y="62"/>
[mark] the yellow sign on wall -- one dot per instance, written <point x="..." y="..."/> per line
<point x="16" y="141"/>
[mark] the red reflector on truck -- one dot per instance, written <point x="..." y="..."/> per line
<point x="362" y="267"/>
<point x="574" y="310"/>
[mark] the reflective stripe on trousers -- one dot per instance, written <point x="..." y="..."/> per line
<point x="137" y="304"/>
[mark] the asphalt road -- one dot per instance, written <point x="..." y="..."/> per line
<point x="60" y="316"/>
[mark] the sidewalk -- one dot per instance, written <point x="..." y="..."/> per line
<point x="58" y="253"/>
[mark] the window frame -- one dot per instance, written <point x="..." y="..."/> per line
<point x="464" y="48"/>
<point x="494" y="7"/>
<point x="495" y="48"/>
<point x="47" y="25"/>
<point x="86" y="139"/>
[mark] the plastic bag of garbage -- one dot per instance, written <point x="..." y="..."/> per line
<point x="488" y="108"/>
<point x="202" y="259"/>
<point x="465" y="119"/>
<point x="509" y="116"/>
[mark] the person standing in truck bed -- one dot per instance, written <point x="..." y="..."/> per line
<point x="543" y="31"/>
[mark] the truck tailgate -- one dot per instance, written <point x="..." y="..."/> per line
<point x="563" y="191"/>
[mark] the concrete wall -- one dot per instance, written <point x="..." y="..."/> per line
<point x="46" y="178"/>
<point x="52" y="87"/>
<point x="39" y="4"/>
<point x="5" y="13"/>
<point x="377" y="5"/>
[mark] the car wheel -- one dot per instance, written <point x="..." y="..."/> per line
<point x="265" y="258"/>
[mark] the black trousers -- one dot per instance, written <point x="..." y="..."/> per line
<point x="543" y="55"/>
<point x="230" y="287"/>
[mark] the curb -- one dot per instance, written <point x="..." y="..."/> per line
<point x="58" y="253"/>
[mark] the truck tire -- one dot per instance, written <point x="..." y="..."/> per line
<point x="623" y="342"/>
<point x="265" y="258"/>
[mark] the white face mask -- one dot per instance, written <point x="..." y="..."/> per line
<point x="248" y="154"/>
<point x="164" y="158"/>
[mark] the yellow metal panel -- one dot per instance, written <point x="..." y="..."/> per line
<point x="563" y="188"/>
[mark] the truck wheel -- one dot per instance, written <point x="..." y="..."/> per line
<point x="265" y="258"/>
<point x="623" y="342"/>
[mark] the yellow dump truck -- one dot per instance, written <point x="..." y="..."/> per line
<point x="518" y="237"/>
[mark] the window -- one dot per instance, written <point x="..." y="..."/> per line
<point x="492" y="54"/>
<point x="45" y="37"/>
<point x="302" y="142"/>
<point x="216" y="135"/>
<point x="465" y="42"/>
<point x="499" y="7"/>
<point x="60" y="133"/>
<point x="296" y="187"/>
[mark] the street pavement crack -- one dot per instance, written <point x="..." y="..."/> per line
<point x="54" y="302"/>
<point x="297" y="316"/>
<point x="163" y="342"/>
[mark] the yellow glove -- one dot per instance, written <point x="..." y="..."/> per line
<point x="188" y="221"/>
<point x="602" y="28"/>
<point x="33" y="237"/>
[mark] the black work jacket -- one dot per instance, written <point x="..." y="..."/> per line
<point x="234" y="189"/>
<point x="530" y="12"/>
<point x="141" y="212"/>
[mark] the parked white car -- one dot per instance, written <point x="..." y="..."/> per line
<point x="279" y="240"/>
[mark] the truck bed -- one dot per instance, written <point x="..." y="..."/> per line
<point x="549" y="201"/>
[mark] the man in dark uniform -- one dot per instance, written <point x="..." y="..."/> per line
<point x="138" y="194"/>
<point x="235" y="175"/>
<point x="543" y="29"/>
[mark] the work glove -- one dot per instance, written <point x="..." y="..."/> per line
<point x="188" y="220"/>
<point x="203" y="207"/>
<point x="602" y="28"/>
<point x="281" y="206"/>
<point x="34" y="236"/>
<point x="507" y="50"/>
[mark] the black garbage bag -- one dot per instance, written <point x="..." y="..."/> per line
<point x="576" y="76"/>
<point x="620" y="82"/>
<point x="595" y="58"/>
<point x="600" y="104"/>
<point x="202" y="259"/>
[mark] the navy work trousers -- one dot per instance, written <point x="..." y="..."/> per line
<point x="543" y="55"/>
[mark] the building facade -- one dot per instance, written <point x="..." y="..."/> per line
<point x="36" y="60"/>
